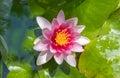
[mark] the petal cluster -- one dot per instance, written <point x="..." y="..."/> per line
<point x="60" y="39"/>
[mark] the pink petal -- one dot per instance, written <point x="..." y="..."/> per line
<point x="47" y="33"/>
<point x="70" y="59"/>
<point x="41" y="46"/>
<point x="61" y="17"/>
<point x="67" y="52"/>
<point x="58" y="58"/>
<point x="75" y="36"/>
<point x="43" y="23"/>
<point x="82" y="40"/>
<point x="79" y="29"/>
<point x="49" y="56"/>
<point x="37" y="40"/>
<point x="77" y="48"/>
<point x="44" y="57"/>
<point x="55" y="24"/>
<point x="52" y="50"/>
<point x="72" y="22"/>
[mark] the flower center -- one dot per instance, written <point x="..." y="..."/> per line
<point x="62" y="37"/>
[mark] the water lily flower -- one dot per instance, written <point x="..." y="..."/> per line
<point x="60" y="39"/>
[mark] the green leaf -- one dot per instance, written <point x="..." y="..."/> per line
<point x="20" y="8"/>
<point x="51" y="70"/>
<point x="42" y="74"/>
<point x="101" y="58"/>
<point x="28" y="41"/>
<point x="20" y="70"/>
<point x="49" y="9"/>
<point x="115" y="20"/>
<point x="74" y="73"/>
<point x="93" y="14"/>
<point x="3" y="48"/>
<point x="51" y="66"/>
<point x="36" y="9"/>
<point x="65" y="68"/>
<point x="5" y="6"/>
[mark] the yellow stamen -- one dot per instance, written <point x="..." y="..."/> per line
<point x="62" y="37"/>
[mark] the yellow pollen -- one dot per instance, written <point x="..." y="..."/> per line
<point x="62" y="37"/>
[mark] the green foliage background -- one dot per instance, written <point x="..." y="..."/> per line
<point x="18" y="30"/>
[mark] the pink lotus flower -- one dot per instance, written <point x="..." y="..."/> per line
<point x="59" y="40"/>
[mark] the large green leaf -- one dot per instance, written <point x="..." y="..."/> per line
<point x="49" y="9"/>
<point x="93" y="14"/>
<point x="101" y="58"/>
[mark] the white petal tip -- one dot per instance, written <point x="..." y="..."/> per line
<point x="60" y="17"/>
<point x="83" y="40"/>
<point x="58" y="59"/>
<point x="70" y="59"/>
<point x="37" y="40"/>
<point x="43" y="23"/>
<point x="43" y="57"/>
<point x="82" y="50"/>
<point x="35" y="48"/>
<point x="61" y="12"/>
<point x="73" y="65"/>
<point x="79" y="28"/>
<point x="77" y="48"/>
<point x="83" y="27"/>
<point x="38" y="63"/>
<point x="87" y="40"/>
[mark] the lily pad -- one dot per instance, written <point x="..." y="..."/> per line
<point x="19" y="70"/>
<point x="28" y="40"/>
<point x="93" y="14"/>
<point x="101" y="58"/>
